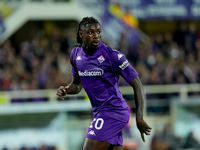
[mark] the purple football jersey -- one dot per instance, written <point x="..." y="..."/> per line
<point x="99" y="74"/>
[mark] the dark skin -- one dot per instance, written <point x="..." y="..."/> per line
<point x="91" y="35"/>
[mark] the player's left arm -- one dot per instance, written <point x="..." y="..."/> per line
<point x="120" y="64"/>
<point x="139" y="95"/>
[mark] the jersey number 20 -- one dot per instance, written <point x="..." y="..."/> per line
<point x="98" y="123"/>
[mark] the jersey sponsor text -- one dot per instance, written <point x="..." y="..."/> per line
<point x="91" y="72"/>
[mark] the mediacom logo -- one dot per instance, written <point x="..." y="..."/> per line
<point x="91" y="72"/>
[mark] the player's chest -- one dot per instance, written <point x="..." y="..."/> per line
<point x="91" y="63"/>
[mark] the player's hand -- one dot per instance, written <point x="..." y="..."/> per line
<point x="143" y="127"/>
<point x="62" y="91"/>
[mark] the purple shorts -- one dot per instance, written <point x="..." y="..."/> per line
<point x="106" y="128"/>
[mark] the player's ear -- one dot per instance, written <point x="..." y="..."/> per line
<point x="80" y="34"/>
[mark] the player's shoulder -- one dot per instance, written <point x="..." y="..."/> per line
<point x="114" y="54"/>
<point x="75" y="50"/>
<point x="74" y="53"/>
<point x="111" y="51"/>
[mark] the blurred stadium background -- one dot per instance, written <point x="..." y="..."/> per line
<point x="161" y="38"/>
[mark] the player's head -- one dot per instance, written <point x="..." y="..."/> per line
<point x="89" y="32"/>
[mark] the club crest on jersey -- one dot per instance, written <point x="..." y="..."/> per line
<point x="101" y="59"/>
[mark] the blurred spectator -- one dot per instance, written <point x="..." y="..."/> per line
<point x="165" y="140"/>
<point x="191" y="142"/>
<point x="42" y="147"/>
<point x="180" y="34"/>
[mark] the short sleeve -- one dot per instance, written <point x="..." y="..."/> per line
<point x="121" y="65"/>
<point x="73" y="63"/>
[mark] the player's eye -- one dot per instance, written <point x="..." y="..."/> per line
<point x="90" y="33"/>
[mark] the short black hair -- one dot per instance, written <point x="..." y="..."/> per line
<point x="83" y="23"/>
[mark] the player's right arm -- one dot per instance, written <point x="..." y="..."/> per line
<point x="75" y="86"/>
<point x="72" y="88"/>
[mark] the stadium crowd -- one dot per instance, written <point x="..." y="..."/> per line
<point x="169" y="58"/>
<point x="42" y="147"/>
<point x="43" y="61"/>
<point x="165" y="139"/>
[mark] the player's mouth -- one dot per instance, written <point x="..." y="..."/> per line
<point x="95" y="43"/>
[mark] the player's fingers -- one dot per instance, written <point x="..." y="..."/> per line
<point x="60" y="93"/>
<point x="60" y="97"/>
<point x="66" y="88"/>
<point x="63" y="90"/>
<point x="149" y="127"/>
<point x="147" y="133"/>
<point x="61" y="87"/>
<point x="142" y="136"/>
<point x="148" y="130"/>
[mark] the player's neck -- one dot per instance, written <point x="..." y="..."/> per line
<point x="88" y="51"/>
